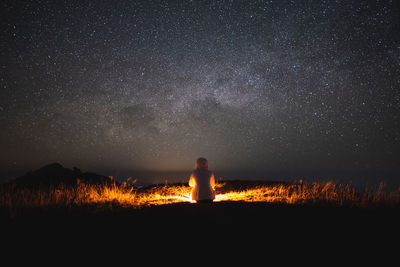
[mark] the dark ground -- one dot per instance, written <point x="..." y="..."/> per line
<point x="182" y="230"/>
<point x="229" y="231"/>
<point x="240" y="217"/>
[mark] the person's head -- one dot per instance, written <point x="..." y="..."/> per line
<point x="201" y="164"/>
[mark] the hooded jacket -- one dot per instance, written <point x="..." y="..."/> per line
<point x="203" y="183"/>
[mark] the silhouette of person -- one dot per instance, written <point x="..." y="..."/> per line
<point x="203" y="182"/>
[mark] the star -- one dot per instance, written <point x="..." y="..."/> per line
<point x="249" y="84"/>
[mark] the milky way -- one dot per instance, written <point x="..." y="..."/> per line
<point x="270" y="85"/>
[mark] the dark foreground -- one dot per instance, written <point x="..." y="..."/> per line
<point x="218" y="217"/>
<point x="186" y="233"/>
<point x="228" y="231"/>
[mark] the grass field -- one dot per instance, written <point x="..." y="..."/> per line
<point x="14" y="199"/>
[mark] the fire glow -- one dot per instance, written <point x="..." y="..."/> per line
<point x="298" y="193"/>
<point x="125" y="196"/>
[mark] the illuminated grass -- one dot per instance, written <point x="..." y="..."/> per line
<point x="102" y="195"/>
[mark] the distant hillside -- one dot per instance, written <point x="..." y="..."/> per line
<point x="55" y="174"/>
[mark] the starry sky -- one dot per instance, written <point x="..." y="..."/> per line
<point x="152" y="85"/>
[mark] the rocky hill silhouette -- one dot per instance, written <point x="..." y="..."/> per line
<point x="55" y="174"/>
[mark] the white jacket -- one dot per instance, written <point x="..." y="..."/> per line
<point x="203" y="183"/>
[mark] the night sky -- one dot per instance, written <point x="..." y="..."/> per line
<point x="250" y="85"/>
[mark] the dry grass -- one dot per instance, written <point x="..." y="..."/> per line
<point x="13" y="198"/>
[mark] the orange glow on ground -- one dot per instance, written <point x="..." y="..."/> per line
<point x="84" y="194"/>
